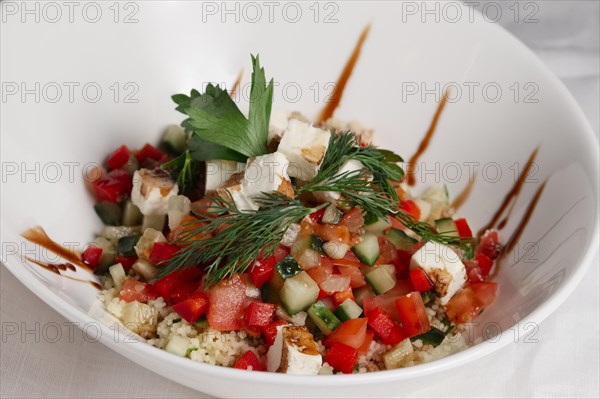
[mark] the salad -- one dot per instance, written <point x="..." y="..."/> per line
<point x="267" y="243"/>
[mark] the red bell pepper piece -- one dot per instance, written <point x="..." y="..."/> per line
<point x="413" y="315"/>
<point x="182" y="291"/>
<point x="192" y="308"/>
<point x="115" y="186"/>
<point x="91" y="256"/>
<point x="383" y="325"/>
<point x="119" y="158"/>
<point x="352" y="332"/>
<point x="420" y="280"/>
<point x="150" y="152"/>
<point x="410" y="208"/>
<point x="249" y="361"/>
<point x="463" y="228"/>
<point x="342" y="358"/>
<point x="259" y="314"/>
<point x="162" y="251"/>
<point x="317" y="216"/>
<point x="485" y="264"/>
<point x="126" y="261"/>
<point x="167" y="287"/>
<point x="270" y="331"/>
<point x="262" y="271"/>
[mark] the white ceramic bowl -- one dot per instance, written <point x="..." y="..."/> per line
<point x="172" y="48"/>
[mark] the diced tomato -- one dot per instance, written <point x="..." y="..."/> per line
<point x="413" y="315"/>
<point x="119" y="158"/>
<point x="168" y="286"/>
<point x="463" y="228"/>
<point x="134" y="290"/>
<point x="317" y="216"/>
<point x="126" y="261"/>
<point x="249" y="361"/>
<point x="357" y="279"/>
<point x="252" y="331"/>
<point x="351" y="332"/>
<point x="263" y="270"/>
<point x="387" y="301"/>
<point x="383" y="325"/>
<point x="192" y="308"/>
<point x="259" y="314"/>
<point x="226" y="304"/>
<point x="364" y="348"/>
<point x="479" y="268"/>
<point x="182" y="291"/>
<point x="332" y="232"/>
<point x="489" y="245"/>
<point x="342" y="358"/>
<point x="280" y="253"/>
<point x="420" y="280"/>
<point x="341" y="296"/>
<point x="162" y="251"/>
<point x="485" y="264"/>
<point x="353" y="220"/>
<point x="114" y="186"/>
<point x="387" y="252"/>
<point x="410" y="208"/>
<point x="91" y="256"/>
<point x="148" y="152"/>
<point x="270" y="331"/>
<point x="320" y="273"/>
<point x="467" y="303"/>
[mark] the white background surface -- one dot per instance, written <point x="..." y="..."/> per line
<point x="561" y="360"/>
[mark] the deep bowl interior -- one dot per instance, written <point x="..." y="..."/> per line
<point x="504" y="104"/>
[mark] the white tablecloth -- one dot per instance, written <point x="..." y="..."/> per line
<point x="563" y="363"/>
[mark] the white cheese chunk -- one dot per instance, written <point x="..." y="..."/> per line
<point x="350" y="165"/>
<point x="265" y="174"/>
<point x="218" y="173"/>
<point x="443" y="266"/>
<point x="236" y="194"/>
<point x="305" y="147"/>
<point x="277" y="124"/>
<point x="294" y="352"/>
<point x="151" y="191"/>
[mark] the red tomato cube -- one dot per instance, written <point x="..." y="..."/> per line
<point x="119" y="158"/>
<point x="91" y="256"/>
<point x="342" y="358"/>
<point x="148" y="152"/>
<point x="262" y="271"/>
<point x="259" y="314"/>
<point x="463" y="228"/>
<point x="134" y="290"/>
<point x="115" y="186"/>
<point x="162" y="251"/>
<point x="192" y="308"/>
<point x="249" y="361"/>
<point x="351" y="332"/>
<point x="413" y="315"/>
<point x="126" y="261"/>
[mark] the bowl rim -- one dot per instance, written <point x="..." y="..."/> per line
<point x="144" y="350"/>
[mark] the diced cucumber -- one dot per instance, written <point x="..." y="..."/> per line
<point x="400" y="239"/>
<point x="335" y="249"/>
<point x="363" y="293"/>
<point x="309" y="242"/>
<point x="109" y="212"/>
<point x="377" y="226"/>
<point x="298" y="293"/>
<point x="118" y="275"/>
<point x="178" y="345"/>
<point x="396" y="357"/>
<point x="367" y="251"/>
<point x="332" y="215"/>
<point x="107" y="258"/>
<point x="288" y="267"/>
<point x="131" y="214"/>
<point x="156" y="222"/>
<point x="326" y="321"/>
<point x="446" y="226"/>
<point x="126" y="245"/>
<point x="114" y="233"/>
<point x="433" y="337"/>
<point x="348" y="310"/>
<point x="145" y="269"/>
<point x="175" y="139"/>
<point x="381" y="279"/>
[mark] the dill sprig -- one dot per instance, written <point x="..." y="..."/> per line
<point x="240" y="238"/>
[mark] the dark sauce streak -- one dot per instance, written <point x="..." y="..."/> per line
<point x="410" y="174"/>
<point x="511" y="195"/>
<point x="464" y="195"/>
<point x="236" y="84"/>
<point x="338" y="90"/>
<point x="38" y="236"/>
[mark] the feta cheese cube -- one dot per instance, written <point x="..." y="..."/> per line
<point x="305" y="147"/>
<point x="265" y="174"/>
<point x="443" y="266"/>
<point x="218" y="172"/>
<point x="277" y="124"/>
<point x="152" y="190"/>
<point x="236" y="194"/>
<point x="294" y="352"/>
<point x="350" y="165"/>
